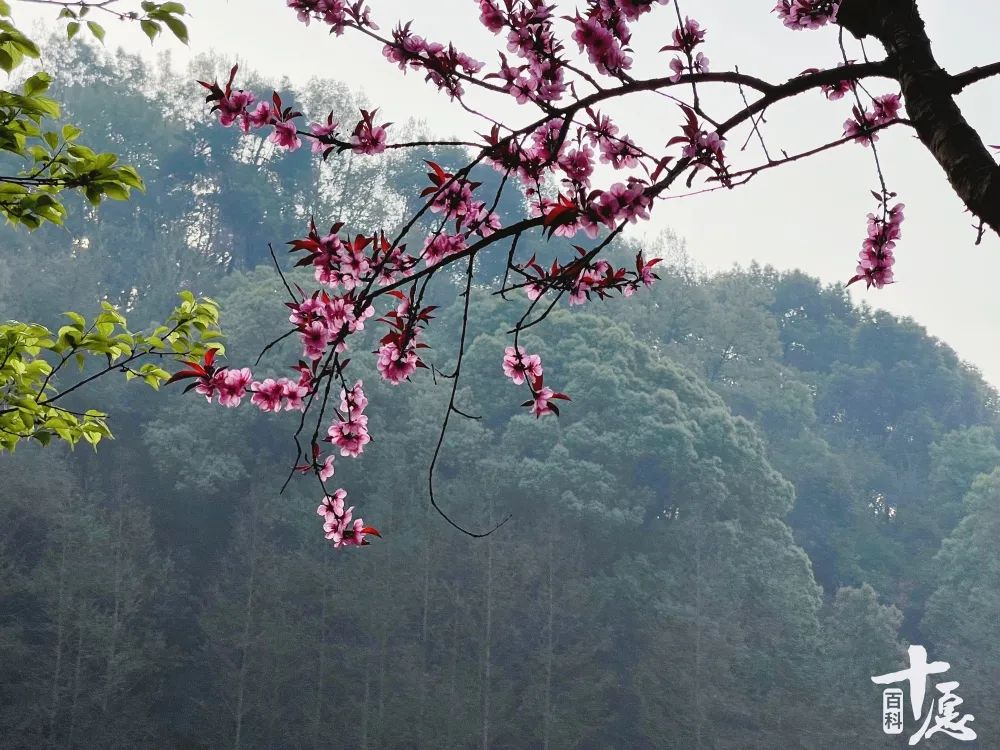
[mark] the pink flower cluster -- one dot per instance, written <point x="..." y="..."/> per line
<point x="350" y="431"/>
<point x="861" y="126"/>
<point x="397" y="352"/>
<point x="233" y="106"/>
<point x="530" y="36"/>
<point x="231" y="385"/>
<point x="339" y="524"/>
<point x="337" y="14"/>
<point x="342" y="262"/>
<point x="519" y="366"/>
<point x="617" y="150"/>
<point x="444" y="64"/>
<point x="876" y="259"/>
<point x="806" y="14"/>
<point x="452" y="196"/>
<point x="705" y="148"/>
<point x="322" y="321"/>
<point x="604" y="32"/>
<point x="272" y="395"/>
<point x="584" y="277"/>
<point x="834" y="91"/>
<point x="522" y="368"/>
<point x="369" y="138"/>
<point x="686" y="39"/>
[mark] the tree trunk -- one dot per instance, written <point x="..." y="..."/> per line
<point x="488" y="645"/>
<point x="452" y="673"/>
<point x="321" y="669"/>
<point x="424" y="640"/>
<point x="698" y="698"/>
<point x="547" y="715"/>
<point x="115" y="616"/>
<point x="60" y="633"/>
<point x="77" y="668"/>
<point x="247" y="625"/>
<point x="929" y="96"/>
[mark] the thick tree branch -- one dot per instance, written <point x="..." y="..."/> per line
<point x="928" y="92"/>
<point x="960" y="81"/>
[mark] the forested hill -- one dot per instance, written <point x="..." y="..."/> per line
<point x="758" y="496"/>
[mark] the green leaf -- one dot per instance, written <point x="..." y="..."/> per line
<point x="97" y="30"/>
<point x="150" y="29"/>
<point x="37" y="84"/>
<point x="72" y="29"/>
<point x="178" y="28"/>
<point x="116" y="191"/>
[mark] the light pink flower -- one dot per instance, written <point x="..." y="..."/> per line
<point x="519" y="366"/>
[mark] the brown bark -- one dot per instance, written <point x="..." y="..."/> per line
<point x="929" y="95"/>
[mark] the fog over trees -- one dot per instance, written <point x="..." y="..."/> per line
<point x="761" y="495"/>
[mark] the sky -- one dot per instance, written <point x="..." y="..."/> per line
<point x="809" y="215"/>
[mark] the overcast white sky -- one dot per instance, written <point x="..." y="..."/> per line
<point x="809" y="215"/>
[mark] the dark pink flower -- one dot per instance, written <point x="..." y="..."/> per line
<point x="285" y="135"/>
<point x="322" y="130"/>
<point x="394" y="365"/>
<point x="259" y="117"/>
<point x="351" y="436"/>
<point x="806" y="14"/>
<point x="267" y="395"/>
<point x="233" y="386"/>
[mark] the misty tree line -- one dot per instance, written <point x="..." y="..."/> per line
<point x="758" y="497"/>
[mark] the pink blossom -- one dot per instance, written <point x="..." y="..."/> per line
<point x="233" y="107"/>
<point x="233" y="386"/>
<point x="333" y="505"/>
<point x="369" y="138"/>
<point x="394" y="365"/>
<point x="519" y="366"/>
<point x="860" y="127"/>
<point x="806" y="14"/>
<point x="578" y="164"/>
<point x="285" y="135"/>
<point x="689" y="36"/>
<point x="541" y="405"/>
<point x="886" y="108"/>
<point x="351" y="436"/>
<point x="876" y="259"/>
<point x="207" y="388"/>
<point x="678" y="67"/>
<point x="490" y="16"/>
<point x="267" y="394"/>
<point x="319" y="131"/>
<point x="353" y="401"/>
<point x="351" y="533"/>
<point x="315" y="337"/>
<point x="293" y="393"/>
<point x="440" y="246"/>
<point x="259" y="117"/>
<point x="326" y="471"/>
